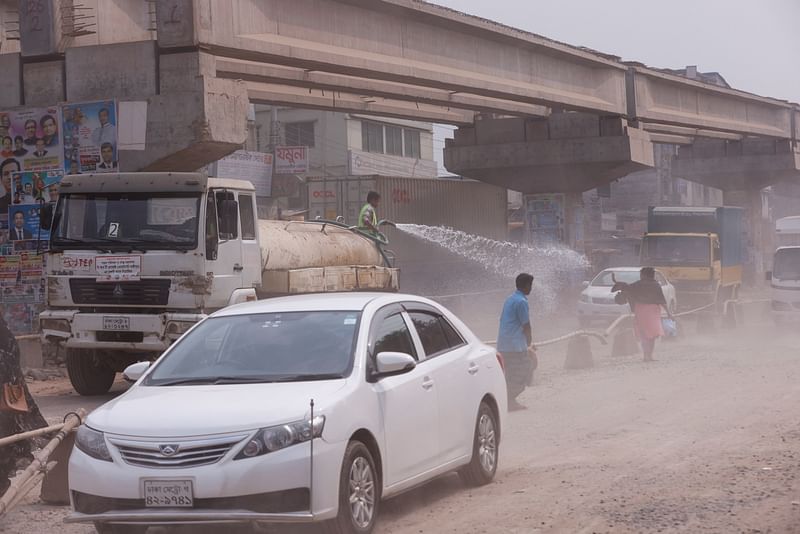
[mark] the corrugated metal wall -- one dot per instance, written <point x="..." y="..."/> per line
<point x="472" y="207"/>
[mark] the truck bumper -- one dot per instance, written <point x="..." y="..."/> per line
<point x="133" y="332"/>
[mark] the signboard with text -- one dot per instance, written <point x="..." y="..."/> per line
<point x="255" y="167"/>
<point x="291" y="160"/>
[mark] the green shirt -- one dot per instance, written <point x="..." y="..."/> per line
<point x="367" y="215"/>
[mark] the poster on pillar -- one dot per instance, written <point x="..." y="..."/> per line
<point x="31" y="139"/>
<point x="90" y="137"/>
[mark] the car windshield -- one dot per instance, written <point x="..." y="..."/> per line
<point x="267" y="347"/>
<point x="677" y="250"/>
<point x="604" y="279"/>
<point x="124" y="220"/>
<point x="787" y="264"/>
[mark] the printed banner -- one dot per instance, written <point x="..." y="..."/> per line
<point x="90" y="137"/>
<point x="256" y="167"/>
<point x="291" y="159"/>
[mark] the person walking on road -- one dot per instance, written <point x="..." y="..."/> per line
<point x="646" y="298"/>
<point x="14" y="422"/>
<point x="515" y="341"/>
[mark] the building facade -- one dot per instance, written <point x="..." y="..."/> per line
<point x="343" y="144"/>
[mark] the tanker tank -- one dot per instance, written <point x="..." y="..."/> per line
<point x="303" y="257"/>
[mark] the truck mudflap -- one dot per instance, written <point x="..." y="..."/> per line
<point x="115" y="331"/>
<point x="332" y="279"/>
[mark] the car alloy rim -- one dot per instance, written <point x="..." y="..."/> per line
<point x="362" y="492"/>
<point x="487" y="444"/>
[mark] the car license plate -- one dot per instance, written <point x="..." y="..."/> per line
<point x="116" y="323"/>
<point x="168" y="494"/>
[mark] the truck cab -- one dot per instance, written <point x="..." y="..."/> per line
<point x="785" y="275"/>
<point x="136" y="260"/>
<point x="698" y="249"/>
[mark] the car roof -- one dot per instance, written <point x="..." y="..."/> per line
<point x="355" y="301"/>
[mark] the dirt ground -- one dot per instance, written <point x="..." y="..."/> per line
<point x="706" y="439"/>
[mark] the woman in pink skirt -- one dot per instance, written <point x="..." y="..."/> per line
<point x="647" y="300"/>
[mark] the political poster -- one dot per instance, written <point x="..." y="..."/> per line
<point x="36" y="186"/>
<point x="23" y="223"/>
<point x="30" y="138"/>
<point x="90" y="137"/>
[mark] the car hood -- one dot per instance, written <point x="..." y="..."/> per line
<point x="184" y="411"/>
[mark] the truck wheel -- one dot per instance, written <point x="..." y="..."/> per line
<point x="87" y="374"/>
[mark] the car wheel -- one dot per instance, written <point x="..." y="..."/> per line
<point x="359" y="493"/>
<point x="105" y="528"/>
<point x="88" y="376"/>
<point x="485" y="450"/>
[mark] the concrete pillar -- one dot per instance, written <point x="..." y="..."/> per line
<point x="756" y="243"/>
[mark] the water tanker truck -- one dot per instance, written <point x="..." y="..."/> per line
<point x="699" y="250"/>
<point x="785" y="274"/>
<point x="135" y="260"/>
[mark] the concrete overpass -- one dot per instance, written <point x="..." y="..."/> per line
<point x="535" y="115"/>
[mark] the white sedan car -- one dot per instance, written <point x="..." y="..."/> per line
<point x="597" y="301"/>
<point x="297" y="409"/>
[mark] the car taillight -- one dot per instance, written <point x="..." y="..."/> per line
<point x="501" y="361"/>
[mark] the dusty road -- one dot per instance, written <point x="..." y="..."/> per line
<point x="706" y="439"/>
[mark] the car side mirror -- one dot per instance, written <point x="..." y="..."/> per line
<point x="394" y="363"/>
<point x="585" y="284"/>
<point x="46" y="217"/>
<point x="768" y="276"/>
<point x="134" y="372"/>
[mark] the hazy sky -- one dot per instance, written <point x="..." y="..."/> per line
<point x="754" y="44"/>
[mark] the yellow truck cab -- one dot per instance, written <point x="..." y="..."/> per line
<point x="698" y="249"/>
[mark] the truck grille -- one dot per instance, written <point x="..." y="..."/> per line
<point x="189" y="453"/>
<point x="152" y="292"/>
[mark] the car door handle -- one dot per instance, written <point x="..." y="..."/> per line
<point x="473" y="369"/>
<point x="238" y="268"/>
<point x="427" y="384"/>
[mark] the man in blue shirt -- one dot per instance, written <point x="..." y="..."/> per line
<point x="515" y="338"/>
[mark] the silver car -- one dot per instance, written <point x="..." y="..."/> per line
<point x="597" y="303"/>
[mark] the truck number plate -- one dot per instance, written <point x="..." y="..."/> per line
<point x="116" y="323"/>
<point x="168" y="494"/>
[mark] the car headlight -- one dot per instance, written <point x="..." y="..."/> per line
<point x="93" y="443"/>
<point x="279" y="437"/>
<point x="585" y="298"/>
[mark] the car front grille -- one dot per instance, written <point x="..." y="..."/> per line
<point x="147" y="292"/>
<point x="188" y="454"/>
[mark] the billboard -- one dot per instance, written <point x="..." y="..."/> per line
<point x="256" y="167"/>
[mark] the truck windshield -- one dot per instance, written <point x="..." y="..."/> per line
<point x="126" y="220"/>
<point x="266" y="347"/>
<point x="787" y="264"/>
<point x="677" y="250"/>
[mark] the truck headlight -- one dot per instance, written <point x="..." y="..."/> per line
<point x="93" y="443"/>
<point x="59" y="325"/>
<point x="279" y="437"/>
<point x="176" y="329"/>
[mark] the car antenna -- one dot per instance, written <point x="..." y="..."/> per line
<point x="311" y="474"/>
